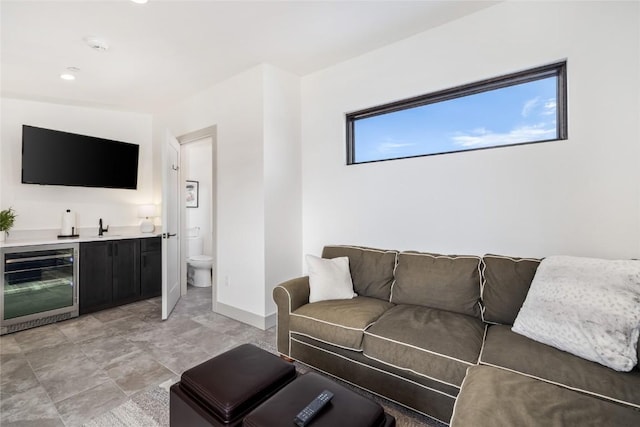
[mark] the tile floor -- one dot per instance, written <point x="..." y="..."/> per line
<point x="67" y="373"/>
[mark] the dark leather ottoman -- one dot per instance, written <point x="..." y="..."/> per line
<point x="222" y="390"/>
<point x="345" y="409"/>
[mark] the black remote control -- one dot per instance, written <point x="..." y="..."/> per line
<point x="311" y="410"/>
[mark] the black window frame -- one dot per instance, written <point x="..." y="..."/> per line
<point x="556" y="69"/>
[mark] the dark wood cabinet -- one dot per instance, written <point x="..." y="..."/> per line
<point x="116" y="272"/>
<point x="95" y="287"/>
<point x="151" y="267"/>
<point x="126" y="270"/>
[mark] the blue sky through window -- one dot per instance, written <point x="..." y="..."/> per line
<point x="516" y="114"/>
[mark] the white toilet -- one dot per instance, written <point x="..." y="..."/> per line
<point x="198" y="265"/>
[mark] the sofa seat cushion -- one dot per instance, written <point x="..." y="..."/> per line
<point x="494" y="397"/>
<point x="338" y="322"/>
<point x="434" y="343"/>
<point x="506" y="349"/>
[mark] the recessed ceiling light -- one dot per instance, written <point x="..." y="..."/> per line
<point x="69" y="74"/>
<point x="140" y="1"/>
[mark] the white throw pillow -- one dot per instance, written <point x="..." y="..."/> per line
<point x="587" y="307"/>
<point x="329" y="278"/>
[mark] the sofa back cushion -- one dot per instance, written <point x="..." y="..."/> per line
<point x="371" y="269"/>
<point x="506" y="282"/>
<point x="438" y="281"/>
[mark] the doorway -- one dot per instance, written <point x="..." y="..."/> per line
<point x="198" y="209"/>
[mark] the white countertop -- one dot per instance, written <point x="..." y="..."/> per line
<point x="48" y="239"/>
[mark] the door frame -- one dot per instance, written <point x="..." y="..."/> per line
<point x="208" y="132"/>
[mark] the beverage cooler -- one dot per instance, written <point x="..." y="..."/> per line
<point x="39" y="286"/>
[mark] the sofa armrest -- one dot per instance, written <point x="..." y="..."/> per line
<point x="288" y="296"/>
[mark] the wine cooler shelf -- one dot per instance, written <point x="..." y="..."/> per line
<point x="39" y="285"/>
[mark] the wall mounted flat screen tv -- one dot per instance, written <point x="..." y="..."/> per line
<point x="52" y="157"/>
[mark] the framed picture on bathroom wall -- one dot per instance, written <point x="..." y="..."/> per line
<point x="192" y="194"/>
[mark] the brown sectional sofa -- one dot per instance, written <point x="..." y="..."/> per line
<point x="422" y="323"/>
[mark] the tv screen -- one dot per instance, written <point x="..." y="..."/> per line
<point x="61" y="158"/>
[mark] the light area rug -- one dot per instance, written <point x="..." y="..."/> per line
<point x="150" y="408"/>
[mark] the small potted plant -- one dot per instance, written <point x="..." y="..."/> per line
<point x="7" y="218"/>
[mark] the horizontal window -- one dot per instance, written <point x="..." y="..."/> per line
<point x="520" y="108"/>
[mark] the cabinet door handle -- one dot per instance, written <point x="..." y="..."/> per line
<point x="109" y="249"/>
<point x="144" y="260"/>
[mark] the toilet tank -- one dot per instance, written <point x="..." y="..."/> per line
<point x="194" y="246"/>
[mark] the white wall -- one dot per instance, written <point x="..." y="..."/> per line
<point x="237" y="108"/>
<point x="282" y="173"/>
<point x="580" y="196"/>
<point x="40" y="207"/>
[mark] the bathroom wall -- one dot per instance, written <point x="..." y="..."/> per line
<point x="197" y="158"/>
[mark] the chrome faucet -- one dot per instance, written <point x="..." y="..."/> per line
<point x="100" y="229"/>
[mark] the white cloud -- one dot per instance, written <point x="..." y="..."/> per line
<point x="538" y="107"/>
<point x="480" y="131"/>
<point x="390" y="147"/>
<point x="549" y="108"/>
<point x="529" y="106"/>
<point x="517" y="135"/>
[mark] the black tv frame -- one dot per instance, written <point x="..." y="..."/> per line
<point x="53" y="157"/>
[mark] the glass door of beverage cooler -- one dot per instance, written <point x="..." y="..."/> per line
<point x="39" y="285"/>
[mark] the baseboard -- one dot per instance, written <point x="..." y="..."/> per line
<point x="260" y="322"/>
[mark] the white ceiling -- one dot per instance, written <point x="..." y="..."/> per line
<point x="164" y="51"/>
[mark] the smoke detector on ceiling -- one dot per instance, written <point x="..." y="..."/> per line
<point x="96" y="44"/>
